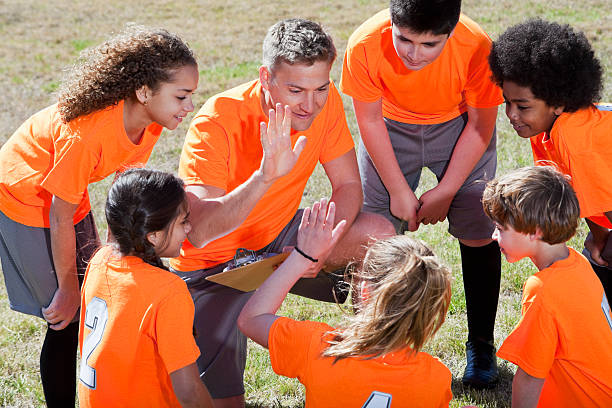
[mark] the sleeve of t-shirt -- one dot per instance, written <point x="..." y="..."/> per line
<point x="73" y="163"/>
<point x="205" y="155"/>
<point x="174" y="328"/>
<point x="591" y="176"/>
<point x="357" y="79"/>
<point x="289" y="344"/>
<point x="337" y="139"/>
<point x="533" y="343"/>
<point x="480" y="91"/>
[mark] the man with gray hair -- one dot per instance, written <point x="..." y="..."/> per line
<point x="222" y="149"/>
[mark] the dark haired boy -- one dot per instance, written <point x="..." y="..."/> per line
<point x="422" y="94"/>
<point x="222" y="149"/>
<point x="551" y="79"/>
<point x="562" y="343"/>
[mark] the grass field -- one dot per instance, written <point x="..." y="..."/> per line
<point x="40" y="38"/>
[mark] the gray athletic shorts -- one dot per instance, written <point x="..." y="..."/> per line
<point x="431" y="146"/>
<point x="27" y="262"/>
<point x="222" y="345"/>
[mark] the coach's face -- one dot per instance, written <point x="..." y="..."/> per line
<point x="303" y="87"/>
<point x="417" y="50"/>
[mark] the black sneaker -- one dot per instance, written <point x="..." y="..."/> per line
<point x="481" y="369"/>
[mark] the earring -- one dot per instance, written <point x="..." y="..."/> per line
<point x="145" y="103"/>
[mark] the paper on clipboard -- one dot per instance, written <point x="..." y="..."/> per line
<point x="249" y="277"/>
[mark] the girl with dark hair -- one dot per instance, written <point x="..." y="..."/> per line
<point x="111" y="109"/>
<point x="375" y="355"/>
<point x="136" y="334"/>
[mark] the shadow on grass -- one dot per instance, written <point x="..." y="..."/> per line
<point x="498" y="397"/>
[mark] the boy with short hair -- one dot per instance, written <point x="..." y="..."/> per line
<point x="551" y="79"/>
<point x="562" y="343"/>
<point x="421" y="89"/>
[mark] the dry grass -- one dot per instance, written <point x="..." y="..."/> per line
<point x="40" y="38"/>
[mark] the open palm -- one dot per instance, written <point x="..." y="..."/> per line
<point x="278" y="156"/>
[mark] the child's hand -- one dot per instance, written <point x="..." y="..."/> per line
<point x="434" y="205"/>
<point x="317" y="235"/>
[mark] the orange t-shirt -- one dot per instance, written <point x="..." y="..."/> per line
<point x="223" y="149"/>
<point x="47" y="157"/>
<point x="136" y="328"/>
<point x="438" y="92"/>
<point x="412" y="380"/>
<point x="565" y="335"/>
<point x="580" y="144"/>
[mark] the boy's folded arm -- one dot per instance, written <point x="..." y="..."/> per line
<point x="189" y="388"/>
<point x="525" y="389"/>
<point x="375" y="136"/>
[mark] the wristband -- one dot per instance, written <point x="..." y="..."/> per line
<point x="305" y="255"/>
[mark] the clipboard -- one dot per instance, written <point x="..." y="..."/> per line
<point x="249" y="277"/>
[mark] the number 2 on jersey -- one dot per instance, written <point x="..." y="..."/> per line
<point x="96" y="315"/>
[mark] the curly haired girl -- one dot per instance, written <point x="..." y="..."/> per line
<point x="112" y="107"/>
<point x="375" y="355"/>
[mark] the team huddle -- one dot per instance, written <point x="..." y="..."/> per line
<point x="426" y="82"/>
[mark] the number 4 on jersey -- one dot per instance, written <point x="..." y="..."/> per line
<point x="378" y="400"/>
<point x="96" y="315"/>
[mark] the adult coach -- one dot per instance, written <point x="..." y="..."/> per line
<point x="222" y="149"/>
<point x="423" y="97"/>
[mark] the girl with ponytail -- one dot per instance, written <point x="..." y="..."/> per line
<point x="374" y="356"/>
<point x="136" y="334"/>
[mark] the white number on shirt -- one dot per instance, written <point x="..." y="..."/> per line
<point x="378" y="399"/>
<point x="605" y="306"/>
<point x="96" y="315"/>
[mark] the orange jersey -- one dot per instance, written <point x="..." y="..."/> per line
<point x="565" y="335"/>
<point x="580" y="144"/>
<point x="412" y="380"/>
<point x="47" y="157"/>
<point x="136" y="328"/>
<point x="438" y="92"/>
<point x="223" y="149"/>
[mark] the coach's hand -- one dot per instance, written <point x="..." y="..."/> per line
<point x="62" y="308"/>
<point x="278" y="156"/>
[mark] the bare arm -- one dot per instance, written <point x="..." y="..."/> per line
<point x="214" y="213"/>
<point x="470" y="147"/>
<point x="347" y="195"/>
<point x="596" y="242"/>
<point x="315" y="236"/>
<point x="189" y="389"/>
<point x="67" y="297"/>
<point x="403" y="203"/>
<point x="525" y="389"/>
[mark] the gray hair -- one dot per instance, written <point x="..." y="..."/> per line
<point x="297" y="41"/>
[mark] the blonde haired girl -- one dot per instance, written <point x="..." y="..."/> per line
<point x="374" y="356"/>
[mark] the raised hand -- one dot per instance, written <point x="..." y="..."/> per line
<point x="317" y="235"/>
<point x="278" y="156"/>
